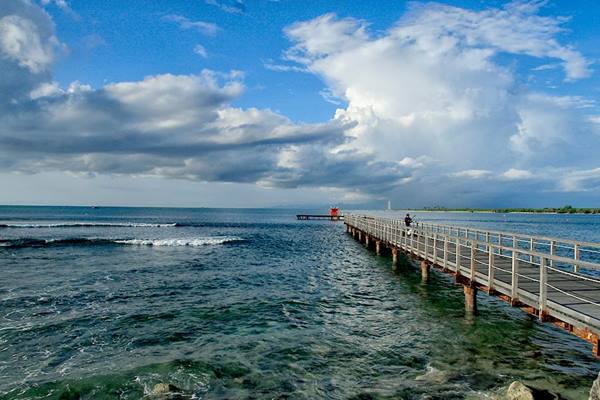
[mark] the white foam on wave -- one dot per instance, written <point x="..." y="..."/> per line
<point x="90" y="224"/>
<point x="180" y="241"/>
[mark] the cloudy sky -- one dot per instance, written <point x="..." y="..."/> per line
<point x="275" y="103"/>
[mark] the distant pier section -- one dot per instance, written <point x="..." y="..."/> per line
<point x="333" y="215"/>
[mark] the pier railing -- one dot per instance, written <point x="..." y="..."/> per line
<point x="558" y="278"/>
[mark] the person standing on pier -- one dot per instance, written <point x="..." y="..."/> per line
<point x="408" y="220"/>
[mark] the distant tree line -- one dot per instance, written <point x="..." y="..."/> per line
<point x="553" y="210"/>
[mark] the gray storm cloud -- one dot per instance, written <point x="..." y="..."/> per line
<point x="174" y="126"/>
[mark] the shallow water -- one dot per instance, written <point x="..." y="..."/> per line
<point x="254" y="304"/>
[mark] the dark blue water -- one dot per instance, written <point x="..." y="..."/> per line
<point x="107" y="303"/>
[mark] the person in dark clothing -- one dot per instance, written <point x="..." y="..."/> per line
<point x="407" y="220"/>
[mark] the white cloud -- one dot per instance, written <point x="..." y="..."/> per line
<point x="580" y="181"/>
<point x="284" y="68"/>
<point x="231" y="7"/>
<point x="432" y="87"/>
<point x="46" y="89"/>
<point x="200" y="50"/>
<point x="472" y="174"/>
<point x="21" y="41"/>
<point x="516" y="174"/>
<point x="206" y="28"/>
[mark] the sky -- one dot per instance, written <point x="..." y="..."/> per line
<point x="232" y="103"/>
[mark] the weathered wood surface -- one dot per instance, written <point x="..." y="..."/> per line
<point x="552" y="278"/>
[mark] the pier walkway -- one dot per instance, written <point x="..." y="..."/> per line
<point x="556" y="280"/>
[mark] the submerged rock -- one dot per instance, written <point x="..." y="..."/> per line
<point x="434" y="375"/>
<point x="595" y="390"/>
<point x="165" y="390"/>
<point x="518" y="391"/>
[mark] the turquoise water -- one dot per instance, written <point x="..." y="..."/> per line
<point x="106" y="303"/>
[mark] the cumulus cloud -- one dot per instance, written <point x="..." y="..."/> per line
<point x="28" y="47"/>
<point x="434" y="87"/>
<point x="428" y="110"/>
<point x="173" y="126"/>
<point x="166" y="125"/>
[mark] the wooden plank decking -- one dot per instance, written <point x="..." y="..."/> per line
<point x="551" y="278"/>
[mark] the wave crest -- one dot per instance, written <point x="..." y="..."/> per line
<point x="90" y="224"/>
<point x="180" y="242"/>
<point x="171" y="242"/>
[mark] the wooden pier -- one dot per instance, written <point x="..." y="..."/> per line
<point x="550" y="278"/>
<point x="319" y="216"/>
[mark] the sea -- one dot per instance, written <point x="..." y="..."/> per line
<point x="148" y="303"/>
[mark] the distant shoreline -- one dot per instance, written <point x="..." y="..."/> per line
<point x="562" y="210"/>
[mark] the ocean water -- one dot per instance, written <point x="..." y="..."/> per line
<point x="106" y="303"/>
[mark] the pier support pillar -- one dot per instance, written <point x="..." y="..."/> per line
<point x="367" y="241"/>
<point x="470" y="299"/>
<point x="394" y="259"/>
<point x="378" y="247"/>
<point x="359" y="236"/>
<point x="424" y="271"/>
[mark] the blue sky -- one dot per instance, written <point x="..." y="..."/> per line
<point x="113" y="41"/>
<point x="264" y="103"/>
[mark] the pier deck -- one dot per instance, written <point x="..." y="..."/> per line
<point x="554" y="279"/>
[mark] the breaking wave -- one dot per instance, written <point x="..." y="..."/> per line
<point x="173" y="242"/>
<point x="180" y="242"/>
<point x="89" y="224"/>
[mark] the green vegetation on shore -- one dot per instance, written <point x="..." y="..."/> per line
<point x="547" y="210"/>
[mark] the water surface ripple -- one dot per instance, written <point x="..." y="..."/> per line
<point x="286" y="310"/>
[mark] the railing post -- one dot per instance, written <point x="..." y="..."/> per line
<point x="458" y="255"/>
<point x="552" y="251"/>
<point x="514" y="278"/>
<point x="490" y="268"/>
<point x="473" y="262"/>
<point x="487" y="241"/>
<point x="500" y="243"/>
<point x="531" y="248"/>
<point x="435" y="248"/>
<point x="445" y="252"/>
<point x="425" y="239"/>
<point x="576" y="253"/>
<point x="543" y="299"/>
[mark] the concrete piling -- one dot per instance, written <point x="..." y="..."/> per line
<point x="378" y="247"/>
<point x="470" y="299"/>
<point x="394" y="258"/>
<point x="424" y="271"/>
